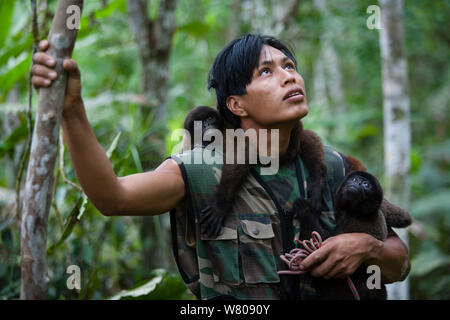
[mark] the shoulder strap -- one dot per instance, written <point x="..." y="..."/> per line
<point x="344" y="160"/>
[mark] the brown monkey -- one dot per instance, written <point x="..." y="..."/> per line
<point x="357" y="203"/>
<point x="210" y="119"/>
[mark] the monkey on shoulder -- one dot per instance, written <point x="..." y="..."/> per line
<point x="203" y="116"/>
<point x="234" y="174"/>
<point x="302" y="142"/>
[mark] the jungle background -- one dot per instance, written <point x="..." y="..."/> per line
<point x="339" y="58"/>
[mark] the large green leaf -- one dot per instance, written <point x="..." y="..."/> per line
<point x="15" y="137"/>
<point x="15" y="72"/>
<point x="6" y="13"/>
<point x="15" y="49"/>
<point x="195" y="28"/>
<point x="431" y="204"/>
<point x="163" y="286"/>
<point x="427" y="261"/>
<point x="111" y="8"/>
<point x="71" y="221"/>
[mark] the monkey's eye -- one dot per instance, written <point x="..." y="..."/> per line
<point x="365" y="184"/>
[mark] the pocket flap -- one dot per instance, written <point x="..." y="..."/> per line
<point x="257" y="230"/>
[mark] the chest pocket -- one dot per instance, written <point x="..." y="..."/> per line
<point x="256" y="238"/>
<point x="243" y="254"/>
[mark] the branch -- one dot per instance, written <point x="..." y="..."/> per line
<point x="40" y="179"/>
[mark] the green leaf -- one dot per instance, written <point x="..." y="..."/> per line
<point x="136" y="158"/>
<point x="15" y="49"/>
<point x="71" y="221"/>
<point x="139" y="292"/>
<point x="111" y="8"/>
<point x="113" y="145"/>
<point x="6" y="13"/>
<point x="368" y="130"/>
<point x="427" y="261"/>
<point x="83" y="207"/>
<point x="16" y="72"/>
<point x="13" y="139"/>
<point x="195" y="28"/>
<point x="432" y="203"/>
<point x="162" y="287"/>
<point x="416" y="160"/>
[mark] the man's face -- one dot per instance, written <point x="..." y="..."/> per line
<point x="276" y="95"/>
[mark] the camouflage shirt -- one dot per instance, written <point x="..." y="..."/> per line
<point x="242" y="262"/>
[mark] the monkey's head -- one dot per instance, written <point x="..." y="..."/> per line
<point x="360" y="194"/>
<point x="209" y="117"/>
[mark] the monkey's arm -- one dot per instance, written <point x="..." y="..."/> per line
<point x="395" y="216"/>
<point x="392" y="258"/>
<point x="233" y="177"/>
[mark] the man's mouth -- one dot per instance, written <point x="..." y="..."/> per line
<point x="295" y="94"/>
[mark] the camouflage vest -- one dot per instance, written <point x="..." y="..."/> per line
<point x="242" y="262"/>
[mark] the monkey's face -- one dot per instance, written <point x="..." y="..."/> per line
<point x="359" y="194"/>
<point x="276" y="94"/>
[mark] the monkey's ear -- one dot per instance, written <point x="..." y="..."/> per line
<point x="235" y="105"/>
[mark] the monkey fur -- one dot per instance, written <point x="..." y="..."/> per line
<point x="303" y="142"/>
<point x="210" y="119"/>
<point x="357" y="203"/>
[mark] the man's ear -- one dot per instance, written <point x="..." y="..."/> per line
<point x="236" y="106"/>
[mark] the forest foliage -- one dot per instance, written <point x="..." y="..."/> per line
<point x="110" y="251"/>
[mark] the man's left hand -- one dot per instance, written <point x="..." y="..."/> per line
<point x="340" y="256"/>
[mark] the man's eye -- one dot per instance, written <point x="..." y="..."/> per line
<point x="264" y="71"/>
<point x="290" y="66"/>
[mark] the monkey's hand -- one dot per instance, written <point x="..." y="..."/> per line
<point x="211" y="221"/>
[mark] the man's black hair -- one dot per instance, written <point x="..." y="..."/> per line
<point x="233" y="68"/>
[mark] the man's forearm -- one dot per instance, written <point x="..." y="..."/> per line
<point x="392" y="258"/>
<point x="92" y="167"/>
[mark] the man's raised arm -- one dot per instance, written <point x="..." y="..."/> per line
<point x="146" y="193"/>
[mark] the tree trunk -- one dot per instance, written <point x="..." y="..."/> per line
<point x="397" y="133"/>
<point x="154" y="42"/>
<point x="39" y="182"/>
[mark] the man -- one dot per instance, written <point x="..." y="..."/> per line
<point x="253" y="77"/>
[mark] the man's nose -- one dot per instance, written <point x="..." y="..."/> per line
<point x="287" y="77"/>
